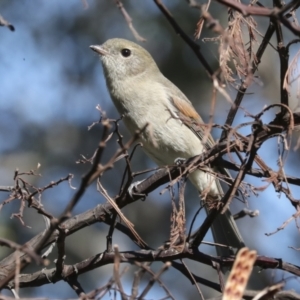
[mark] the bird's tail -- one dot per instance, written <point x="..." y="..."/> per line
<point x="225" y="232"/>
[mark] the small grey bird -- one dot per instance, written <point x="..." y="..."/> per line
<point x="143" y="95"/>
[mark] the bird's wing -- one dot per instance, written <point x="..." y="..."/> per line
<point x="224" y="228"/>
<point x="187" y="114"/>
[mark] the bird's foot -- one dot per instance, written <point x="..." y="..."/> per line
<point x="132" y="191"/>
<point x="179" y="161"/>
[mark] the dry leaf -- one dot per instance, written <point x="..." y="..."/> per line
<point x="239" y="275"/>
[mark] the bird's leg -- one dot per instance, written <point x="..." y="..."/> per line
<point x="132" y="193"/>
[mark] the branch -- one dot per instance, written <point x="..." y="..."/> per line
<point x="102" y="259"/>
<point x="194" y="46"/>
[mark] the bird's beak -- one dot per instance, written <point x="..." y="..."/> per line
<point x="99" y="50"/>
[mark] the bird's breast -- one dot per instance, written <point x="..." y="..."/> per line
<point x="166" y="138"/>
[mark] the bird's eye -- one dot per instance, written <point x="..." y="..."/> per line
<point x="125" y="52"/>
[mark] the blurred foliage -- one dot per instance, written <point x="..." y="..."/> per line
<point x="50" y="85"/>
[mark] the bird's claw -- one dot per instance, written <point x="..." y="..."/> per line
<point x="179" y="161"/>
<point x="132" y="193"/>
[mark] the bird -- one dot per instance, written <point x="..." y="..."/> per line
<point x="143" y="95"/>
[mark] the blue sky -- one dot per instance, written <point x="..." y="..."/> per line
<point x="51" y="83"/>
